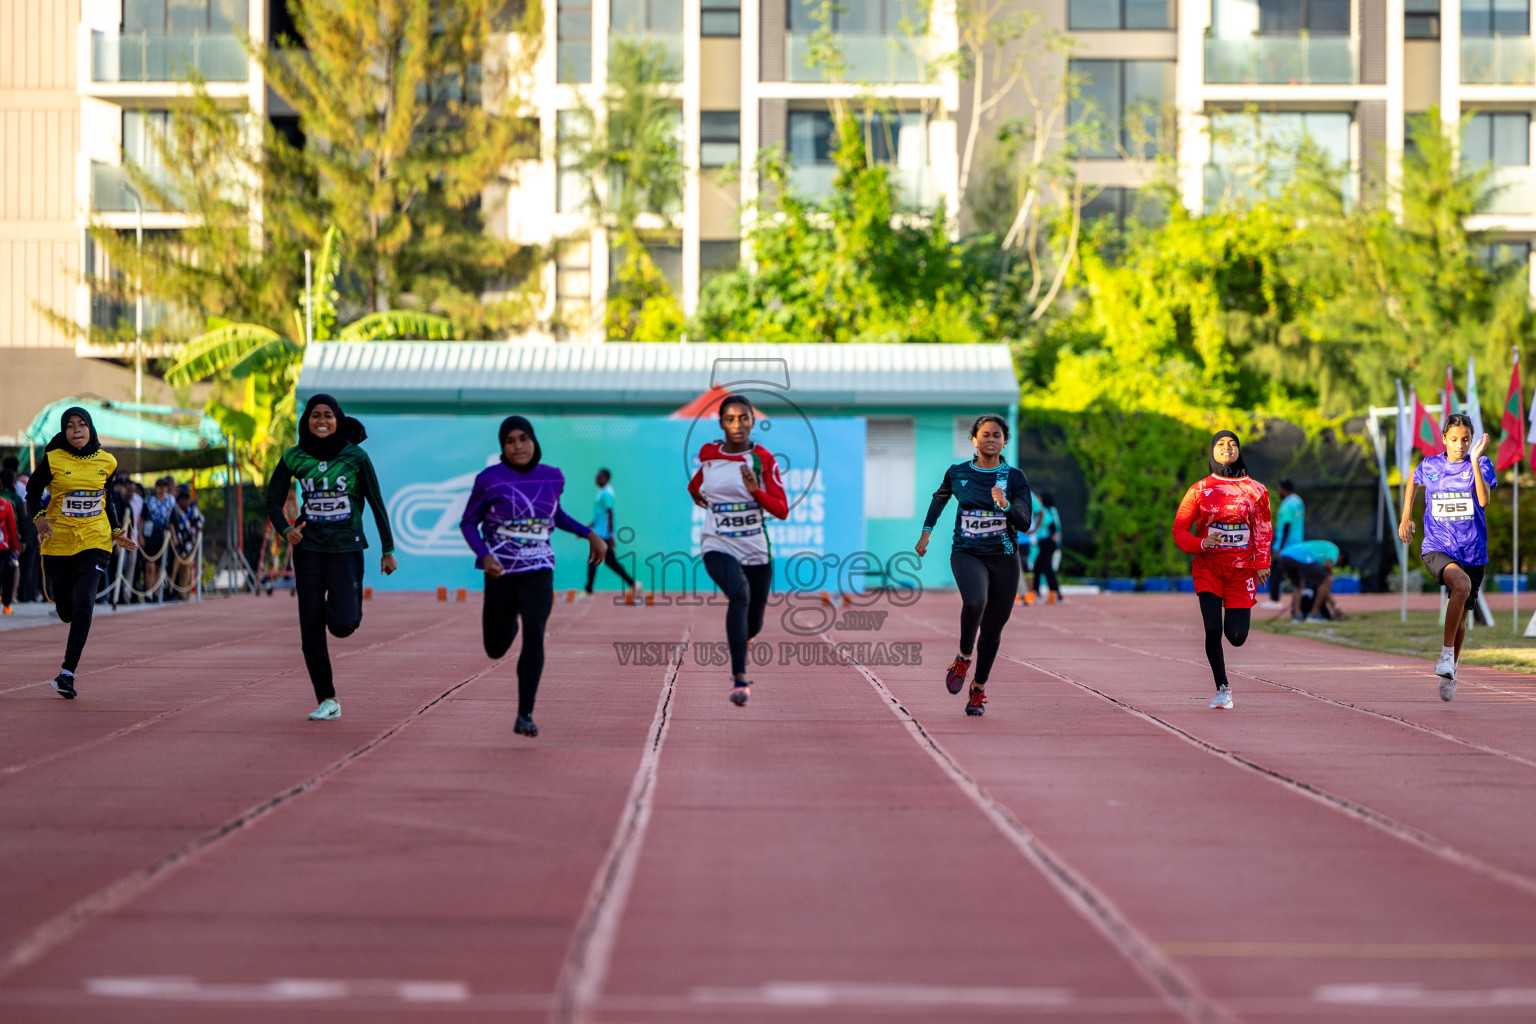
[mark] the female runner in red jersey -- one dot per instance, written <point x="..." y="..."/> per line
<point x="1230" y="514"/>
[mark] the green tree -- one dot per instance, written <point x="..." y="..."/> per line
<point x="257" y="368"/>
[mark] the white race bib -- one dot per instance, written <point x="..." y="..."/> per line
<point x="525" y="531"/>
<point x="737" y="518"/>
<point x="83" y="504"/>
<point x="327" y="506"/>
<point x="1451" y="506"/>
<point x="1230" y="535"/>
<point x="976" y="523"/>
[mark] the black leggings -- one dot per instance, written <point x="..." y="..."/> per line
<point x="529" y="596"/>
<point x="330" y="590"/>
<point x="987" y="586"/>
<point x="1235" y="628"/>
<point x="7" y="578"/>
<point x="612" y="562"/>
<point x="1045" y="566"/>
<point x="746" y="587"/>
<point x="73" y="581"/>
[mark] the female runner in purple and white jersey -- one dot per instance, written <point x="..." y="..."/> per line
<point x="511" y="513"/>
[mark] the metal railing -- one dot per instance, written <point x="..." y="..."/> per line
<point x="1512" y="192"/>
<point x="671" y="43"/>
<point x="167" y="57"/>
<point x="915" y="186"/>
<point x="1498" y="60"/>
<point x="868" y="58"/>
<point x="1281" y="60"/>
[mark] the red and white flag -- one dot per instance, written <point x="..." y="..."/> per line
<point x="1512" y="441"/>
<point x="1425" y="437"/>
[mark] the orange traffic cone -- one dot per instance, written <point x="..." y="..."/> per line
<point x="461" y="594"/>
<point x="1029" y="597"/>
<point x="1050" y="598"/>
<point x="367" y="593"/>
<point x="650" y="598"/>
<point x="442" y="593"/>
<point x="629" y="597"/>
<point x="826" y="598"/>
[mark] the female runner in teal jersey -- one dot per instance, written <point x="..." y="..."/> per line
<point x="995" y="507"/>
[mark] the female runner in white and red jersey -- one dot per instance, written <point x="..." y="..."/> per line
<point x="1229" y="511"/>
<point x="737" y="483"/>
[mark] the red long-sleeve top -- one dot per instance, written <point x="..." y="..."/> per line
<point x="10" y="537"/>
<point x="1236" y="512"/>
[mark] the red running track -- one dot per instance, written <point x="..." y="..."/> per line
<point x="179" y="844"/>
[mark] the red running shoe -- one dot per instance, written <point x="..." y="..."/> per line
<point x="977" y="704"/>
<point x="955" y="678"/>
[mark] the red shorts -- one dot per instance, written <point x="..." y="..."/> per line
<point x="1235" y="587"/>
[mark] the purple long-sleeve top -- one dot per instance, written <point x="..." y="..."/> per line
<point x="512" y="514"/>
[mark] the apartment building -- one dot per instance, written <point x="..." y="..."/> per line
<point x="1348" y="74"/>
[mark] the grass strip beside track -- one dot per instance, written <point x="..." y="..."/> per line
<point x="1419" y="637"/>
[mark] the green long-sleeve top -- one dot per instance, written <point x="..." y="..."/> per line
<point x="332" y="493"/>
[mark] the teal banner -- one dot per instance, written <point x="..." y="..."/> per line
<point x="427" y="464"/>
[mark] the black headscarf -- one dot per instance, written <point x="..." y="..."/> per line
<point x="510" y="424"/>
<point x="1232" y="472"/>
<point x="61" y="443"/>
<point x="348" y="430"/>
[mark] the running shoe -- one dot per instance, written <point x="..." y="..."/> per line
<point x="7" y="610"/>
<point x="977" y="704"/>
<point x="524" y="726"/>
<point x="1447" y="688"/>
<point x="739" y="694"/>
<point x="64" y="685"/>
<point x="327" y="711"/>
<point x="1029" y="598"/>
<point x="1223" y="699"/>
<point x="1052" y="597"/>
<point x="1445" y="668"/>
<point x="954" y="679"/>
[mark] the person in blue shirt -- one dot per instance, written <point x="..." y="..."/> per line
<point x="603" y="525"/>
<point x="1047" y="545"/>
<point x="1309" y="566"/>
<point x="1290" y="520"/>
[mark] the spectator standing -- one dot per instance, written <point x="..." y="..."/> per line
<point x="602" y="525"/>
<point x="158" y="509"/>
<point x="10" y="543"/>
<point x="1289" y="521"/>
<point x="187" y="524"/>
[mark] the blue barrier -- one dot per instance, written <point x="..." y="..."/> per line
<point x="1157" y="585"/>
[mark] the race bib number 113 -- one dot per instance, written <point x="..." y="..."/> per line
<point x="1230" y="535"/>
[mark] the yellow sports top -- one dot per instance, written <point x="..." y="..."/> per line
<point x="78" y="504"/>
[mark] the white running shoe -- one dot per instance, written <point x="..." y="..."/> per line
<point x="327" y="711"/>
<point x="1447" y="688"/>
<point x="1223" y="699"/>
<point x="1445" y="668"/>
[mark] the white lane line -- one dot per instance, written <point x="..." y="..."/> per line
<point x="587" y="961"/>
<point x="1416" y="997"/>
<point x="857" y="993"/>
<point x="1360" y="812"/>
<point x="1178" y="989"/>
<point x="278" y="990"/>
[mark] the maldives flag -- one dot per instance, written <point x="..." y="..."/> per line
<point x="1450" y="406"/>
<point x="1425" y="439"/>
<point x="1512" y="441"/>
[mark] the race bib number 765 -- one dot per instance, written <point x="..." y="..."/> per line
<point x="1451" y="506"/>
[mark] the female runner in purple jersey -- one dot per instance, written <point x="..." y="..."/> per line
<point x="1455" y="551"/>
<point x="511" y="513"/>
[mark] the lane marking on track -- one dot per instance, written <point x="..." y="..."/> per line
<point x="14" y="769"/>
<point x="278" y="990"/>
<point x="1352" y="950"/>
<point x="1178" y="989"/>
<point x="1406" y="722"/>
<point x="28" y="948"/>
<point x="1416" y="997"/>
<point x="586" y="963"/>
<point x="1360" y="812"/>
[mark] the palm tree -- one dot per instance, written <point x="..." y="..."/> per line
<point x="266" y="364"/>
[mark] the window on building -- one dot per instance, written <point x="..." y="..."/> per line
<point x="890" y="468"/>
<point x="1496" y="17"/>
<point x="570" y="182"/>
<point x="720" y="18"/>
<point x="1421" y="19"/>
<point x="573" y="41"/>
<point x="1119" y="14"/>
<point x="716" y="257"/>
<point x="1122" y="206"/>
<point x="1500" y="139"/>
<point x="719" y="137"/>
<point x="1501" y="254"/>
<point x="1120" y="105"/>
<point x="637" y="17"/>
<point x="214" y="16"/>
<point x="141" y="130"/>
<point x="1238" y="139"/>
<point x="527" y="143"/>
<point x="1298" y="17"/>
<point x="860" y="17"/>
<point x="886" y="136"/>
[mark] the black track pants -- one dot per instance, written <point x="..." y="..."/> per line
<point x="987" y="585"/>
<point x="73" y="582"/>
<point x="1045" y="567"/>
<point x="746" y="587"/>
<point x="330" y="591"/>
<point x="612" y="562"/>
<point x="514" y="596"/>
<point x="1235" y="628"/>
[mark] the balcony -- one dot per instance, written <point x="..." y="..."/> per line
<point x="1498" y="60"/>
<point x="111" y="314"/>
<point x="1228" y="184"/>
<point x="167" y="57"/>
<point x="1512" y="192"/>
<point x="916" y="187"/>
<point x="1281" y="60"/>
<point x="108" y="194"/>
<point x="885" y="59"/>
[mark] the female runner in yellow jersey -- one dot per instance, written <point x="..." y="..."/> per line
<point x="76" y="529"/>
